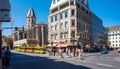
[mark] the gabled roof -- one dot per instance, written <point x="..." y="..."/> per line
<point x="31" y="13"/>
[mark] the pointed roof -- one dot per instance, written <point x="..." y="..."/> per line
<point x="31" y="13"/>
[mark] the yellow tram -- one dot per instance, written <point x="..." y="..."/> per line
<point x="32" y="49"/>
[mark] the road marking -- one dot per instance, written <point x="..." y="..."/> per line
<point x="106" y="65"/>
<point x="25" y="61"/>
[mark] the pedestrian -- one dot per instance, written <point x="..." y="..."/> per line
<point x="3" y="57"/>
<point x="80" y="54"/>
<point x="7" y="57"/>
<point x="66" y="52"/>
<point x="50" y="51"/>
<point x="61" y="54"/>
<point x="77" y="52"/>
<point x="54" y="51"/>
<point x="74" y="51"/>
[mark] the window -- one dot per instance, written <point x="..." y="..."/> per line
<point x="32" y="21"/>
<point x="72" y="33"/>
<point x="61" y="35"/>
<point x="52" y="36"/>
<point x="73" y="23"/>
<point x="66" y="14"/>
<point x="77" y="14"/>
<point x="55" y="18"/>
<point x="51" y="19"/>
<point x="72" y="12"/>
<point x="113" y="44"/>
<point x="56" y="27"/>
<point x="61" y="16"/>
<point x="66" y="24"/>
<point x="56" y="36"/>
<point x="53" y="1"/>
<point x="72" y="3"/>
<point x="61" y="25"/>
<point x="52" y="28"/>
<point x="66" y="34"/>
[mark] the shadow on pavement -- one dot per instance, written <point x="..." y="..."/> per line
<point x="22" y="61"/>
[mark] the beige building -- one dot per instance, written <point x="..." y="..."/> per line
<point x="33" y="30"/>
<point x="69" y="19"/>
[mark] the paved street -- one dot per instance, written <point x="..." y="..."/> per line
<point x="40" y="61"/>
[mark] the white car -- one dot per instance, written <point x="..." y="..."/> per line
<point x="118" y="50"/>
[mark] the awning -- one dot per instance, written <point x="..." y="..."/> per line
<point x="49" y="45"/>
<point x="61" y="45"/>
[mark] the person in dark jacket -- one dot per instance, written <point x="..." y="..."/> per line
<point x="7" y="57"/>
<point x="3" y="57"/>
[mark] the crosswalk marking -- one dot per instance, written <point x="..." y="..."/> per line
<point x="106" y="65"/>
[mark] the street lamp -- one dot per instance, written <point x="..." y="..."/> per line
<point x="12" y="21"/>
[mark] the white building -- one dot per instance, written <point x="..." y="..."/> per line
<point x="114" y="36"/>
<point x="67" y="18"/>
<point x="27" y="42"/>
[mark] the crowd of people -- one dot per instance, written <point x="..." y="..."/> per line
<point x="5" y="57"/>
<point x="65" y="52"/>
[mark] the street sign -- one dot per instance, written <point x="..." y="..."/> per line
<point x="5" y="16"/>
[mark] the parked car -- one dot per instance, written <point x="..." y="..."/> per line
<point x="118" y="50"/>
<point x="104" y="51"/>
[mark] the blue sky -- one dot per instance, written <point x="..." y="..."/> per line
<point x="107" y="10"/>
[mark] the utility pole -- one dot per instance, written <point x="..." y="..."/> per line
<point x="4" y="17"/>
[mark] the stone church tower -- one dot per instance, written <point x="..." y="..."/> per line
<point x="31" y="19"/>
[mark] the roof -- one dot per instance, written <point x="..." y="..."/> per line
<point x="42" y="23"/>
<point x="31" y="13"/>
<point x="114" y="28"/>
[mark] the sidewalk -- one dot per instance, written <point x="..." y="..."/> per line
<point x="91" y="54"/>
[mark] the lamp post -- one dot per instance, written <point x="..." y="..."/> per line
<point x="12" y="21"/>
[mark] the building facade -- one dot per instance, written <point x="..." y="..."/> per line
<point x="98" y="31"/>
<point x="69" y="19"/>
<point x="114" y="36"/>
<point x="32" y="30"/>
